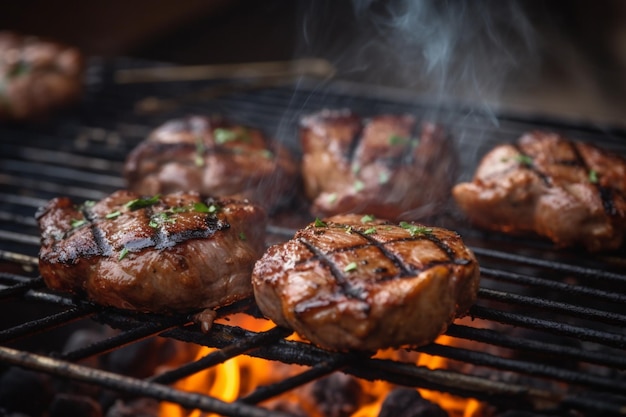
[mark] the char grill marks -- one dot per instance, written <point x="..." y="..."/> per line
<point x="568" y="158"/>
<point x="121" y="224"/>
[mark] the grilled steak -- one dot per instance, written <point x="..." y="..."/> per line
<point x="568" y="191"/>
<point x="37" y="76"/>
<point x="389" y="165"/>
<point x="214" y="157"/>
<point x="353" y="282"/>
<point x="171" y="253"/>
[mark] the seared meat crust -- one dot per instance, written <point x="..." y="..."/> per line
<point x="171" y="253"/>
<point x="214" y="157"/>
<point x="37" y="76"/>
<point x="389" y="165"/>
<point x="356" y="283"/>
<point x="568" y="191"/>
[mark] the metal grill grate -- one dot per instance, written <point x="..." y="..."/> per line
<point x="551" y="315"/>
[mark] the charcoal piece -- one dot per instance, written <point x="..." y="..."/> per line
<point x="24" y="391"/>
<point x="142" y="407"/>
<point x="337" y="395"/>
<point x="68" y="405"/>
<point x="407" y="402"/>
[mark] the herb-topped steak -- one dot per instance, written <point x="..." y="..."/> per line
<point x="353" y="282"/>
<point x="171" y="253"/>
<point x="387" y="165"/>
<point x="215" y="157"/>
<point x="568" y="191"/>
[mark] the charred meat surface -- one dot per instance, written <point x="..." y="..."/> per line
<point x="388" y="165"/>
<point x="570" y="192"/>
<point x="37" y="76"/>
<point x="214" y="157"/>
<point x="356" y="282"/>
<point x="170" y="253"/>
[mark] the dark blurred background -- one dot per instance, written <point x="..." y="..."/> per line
<point x="566" y="58"/>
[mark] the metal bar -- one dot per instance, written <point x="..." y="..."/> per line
<point x="130" y="385"/>
<point x="20" y="288"/>
<point x="46" y="323"/>
<point x="581" y="333"/>
<point x="571" y="309"/>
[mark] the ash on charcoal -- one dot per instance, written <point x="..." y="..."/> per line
<point x="337" y="395"/>
<point x="407" y="402"/>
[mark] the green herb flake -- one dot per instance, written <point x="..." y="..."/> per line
<point x="383" y="177"/>
<point x="524" y="159"/>
<point x="89" y="203"/>
<point x="200" y="149"/>
<point x="113" y="215"/>
<point x="398" y="140"/>
<point x="331" y="198"/>
<point x="153" y="223"/>
<point x="319" y="223"/>
<point x="370" y="231"/>
<point x="75" y="223"/>
<point x="140" y="203"/>
<point x="358" y="186"/>
<point x="123" y="254"/>
<point x="223" y="135"/>
<point x="200" y="207"/>
<point x="242" y="236"/>
<point x="415" y="229"/>
<point x="356" y="167"/>
<point x="367" y="218"/>
<point x="593" y="177"/>
<point x="267" y="154"/>
<point x="349" y="230"/>
<point x="351" y="267"/>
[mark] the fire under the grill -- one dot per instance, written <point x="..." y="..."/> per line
<point x="546" y="336"/>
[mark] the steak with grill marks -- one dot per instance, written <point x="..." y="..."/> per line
<point x="569" y="191"/>
<point x="171" y="253"/>
<point x="37" y="76"/>
<point x="214" y="157"/>
<point x="353" y="282"/>
<point x="388" y="165"/>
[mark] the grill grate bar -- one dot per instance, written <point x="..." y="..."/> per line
<point x="530" y="345"/>
<point x="130" y="385"/>
<point x="318" y="371"/>
<point x="553" y="285"/>
<point x="581" y="333"/>
<point x="46" y="323"/>
<point x="21" y="287"/>
<point x="600" y="383"/>
<point x="573" y="310"/>
<point x="557" y="266"/>
<point x="239" y="347"/>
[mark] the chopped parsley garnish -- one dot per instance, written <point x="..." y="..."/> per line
<point x="222" y="135"/>
<point x="383" y="177"/>
<point x="350" y="267"/>
<point x="415" y="229"/>
<point x="142" y="202"/>
<point x="398" y="140"/>
<point x="161" y="218"/>
<point x="242" y="236"/>
<point x="332" y="198"/>
<point x="113" y="215"/>
<point x="349" y="230"/>
<point x="123" y="254"/>
<point x="593" y="177"/>
<point x="358" y="186"/>
<point x="200" y="148"/>
<point x="367" y="218"/>
<point x="319" y="223"/>
<point x="267" y="154"/>
<point x="200" y="207"/>
<point x="355" y="168"/>
<point x="524" y="159"/>
<point x="77" y="223"/>
<point x="370" y="231"/>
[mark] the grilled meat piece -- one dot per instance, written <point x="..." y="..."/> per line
<point x="389" y="165"/>
<point x="353" y="282"/>
<point x="568" y="191"/>
<point x="214" y="157"/>
<point x="171" y="253"/>
<point x="37" y="76"/>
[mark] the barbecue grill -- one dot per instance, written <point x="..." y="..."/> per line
<point x="547" y="335"/>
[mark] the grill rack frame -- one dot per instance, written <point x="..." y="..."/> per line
<point x="101" y="162"/>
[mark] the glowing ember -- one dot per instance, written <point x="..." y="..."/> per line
<point x="243" y="374"/>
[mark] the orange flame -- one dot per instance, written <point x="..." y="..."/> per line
<point x="242" y="374"/>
